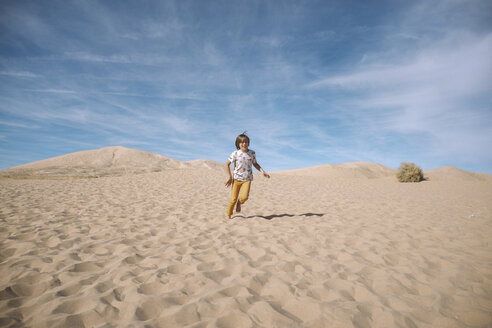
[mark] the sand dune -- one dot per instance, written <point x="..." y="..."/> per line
<point x="156" y="250"/>
<point x="449" y="173"/>
<point x="109" y="161"/>
<point x="356" y="170"/>
<point x="365" y="170"/>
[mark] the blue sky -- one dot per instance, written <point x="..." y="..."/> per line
<point x="313" y="82"/>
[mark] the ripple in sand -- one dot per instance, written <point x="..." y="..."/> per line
<point x="362" y="294"/>
<point x="8" y="322"/>
<point x="134" y="259"/>
<point x="175" y="300"/>
<point x="187" y="315"/>
<point x="180" y="269"/>
<point x="152" y="288"/>
<point x="6" y="253"/>
<point x="236" y="319"/>
<point x="207" y="266"/>
<point x="265" y="315"/>
<point x="218" y="275"/>
<point x="253" y="253"/>
<point x="304" y="310"/>
<point x="86" y="267"/>
<point x="70" y="290"/>
<point x="423" y="315"/>
<point x="74" y="306"/>
<point x="323" y="294"/>
<point x="90" y="280"/>
<point x="475" y="318"/>
<point x="277" y="289"/>
<point x="290" y="266"/>
<point x="150" y="309"/>
<point x="34" y="277"/>
<point x="362" y="320"/>
<point x="24" y="236"/>
<point x="104" y="286"/>
<point x="236" y="291"/>
<point x="87" y="319"/>
<point x="24" y="289"/>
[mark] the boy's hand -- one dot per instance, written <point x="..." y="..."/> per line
<point x="266" y="175"/>
<point x="229" y="182"/>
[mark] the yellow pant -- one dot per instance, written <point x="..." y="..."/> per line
<point x="244" y="186"/>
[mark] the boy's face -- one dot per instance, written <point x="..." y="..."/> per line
<point x="243" y="145"/>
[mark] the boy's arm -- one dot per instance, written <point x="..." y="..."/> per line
<point x="258" y="167"/>
<point x="229" y="182"/>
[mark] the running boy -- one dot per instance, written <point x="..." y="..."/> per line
<point x="243" y="158"/>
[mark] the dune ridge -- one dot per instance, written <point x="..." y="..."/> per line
<point x="118" y="161"/>
<point x="453" y="173"/>
<point x="349" y="170"/>
<point x="108" y="161"/>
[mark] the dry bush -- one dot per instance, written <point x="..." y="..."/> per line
<point x="409" y="172"/>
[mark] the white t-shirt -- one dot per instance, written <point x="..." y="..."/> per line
<point x="243" y="162"/>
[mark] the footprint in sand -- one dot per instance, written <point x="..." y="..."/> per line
<point x="70" y="290"/>
<point x="207" y="266"/>
<point x="133" y="259"/>
<point x="87" y="267"/>
<point x="75" y="306"/>
<point x="235" y="319"/>
<point x="185" y="316"/>
<point x="236" y="291"/>
<point x="86" y="319"/>
<point x="24" y="289"/>
<point x="150" y="309"/>
<point x="152" y="288"/>
<point x="218" y="275"/>
<point x="180" y="269"/>
<point x="104" y="286"/>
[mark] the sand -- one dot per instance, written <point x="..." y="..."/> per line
<point x="104" y="162"/>
<point x="308" y="250"/>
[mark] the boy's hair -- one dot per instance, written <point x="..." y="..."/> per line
<point x="241" y="138"/>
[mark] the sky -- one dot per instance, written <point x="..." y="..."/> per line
<point x="312" y="82"/>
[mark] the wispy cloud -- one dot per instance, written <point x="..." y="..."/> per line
<point x="19" y="74"/>
<point x="17" y="124"/>
<point x="55" y="91"/>
<point x="440" y="95"/>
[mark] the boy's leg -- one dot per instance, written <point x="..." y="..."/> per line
<point x="236" y="186"/>
<point x="245" y="186"/>
<point x="244" y="192"/>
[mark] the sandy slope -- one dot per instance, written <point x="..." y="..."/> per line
<point x="308" y="250"/>
<point x="351" y="170"/>
<point x="108" y="161"/>
<point x="450" y="173"/>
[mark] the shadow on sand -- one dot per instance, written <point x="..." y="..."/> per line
<point x="274" y="216"/>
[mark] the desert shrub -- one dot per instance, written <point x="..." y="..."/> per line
<point x="409" y="172"/>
